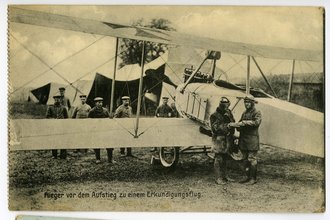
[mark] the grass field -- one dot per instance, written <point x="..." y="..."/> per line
<point x="287" y="182"/>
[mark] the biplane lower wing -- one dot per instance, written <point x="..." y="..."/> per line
<point x="41" y="134"/>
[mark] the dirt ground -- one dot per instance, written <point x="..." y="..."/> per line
<point x="287" y="182"/>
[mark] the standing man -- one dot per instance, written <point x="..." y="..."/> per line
<point x="99" y="112"/>
<point x="57" y="111"/>
<point x="164" y="110"/>
<point x="175" y="113"/>
<point x="249" y="139"/>
<point x="81" y="111"/>
<point x="222" y="138"/>
<point x="124" y="111"/>
<point x="64" y="100"/>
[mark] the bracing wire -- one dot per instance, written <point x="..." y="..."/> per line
<point x="50" y="68"/>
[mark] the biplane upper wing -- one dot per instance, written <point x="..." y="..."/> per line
<point x="31" y="134"/>
<point x="31" y="17"/>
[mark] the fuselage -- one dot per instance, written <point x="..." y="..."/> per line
<point x="284" y="124"/>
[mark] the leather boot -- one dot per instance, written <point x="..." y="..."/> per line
<point x="109" y="152"/>
<point x="97" y="156"/>
<point x="63" y="154"/>
<point x="129" y="152"/>
<point x="247" y="168"/>
<point x="54" y="154"/>
<point x="122" y="151"/>
<point x="220" y="169"/>
<point x="216" y="167"/>
<point x="253" y="171"/>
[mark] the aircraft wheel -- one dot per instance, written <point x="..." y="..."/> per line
<point x="169" y="156"/>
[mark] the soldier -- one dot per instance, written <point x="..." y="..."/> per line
<point x="64" y="100"/>
<point x="222" y="138"/>
<point x="124" y="111"/>
<point x="81" y="111"/>
<point x="99" y="112"/>
<point x="164" y="110"/>
<point x="57" y="111"/>
<point x="175" y="113"/>
<point x="249" y="139"/>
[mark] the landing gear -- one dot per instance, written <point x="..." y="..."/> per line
<point x="169" y="156"/>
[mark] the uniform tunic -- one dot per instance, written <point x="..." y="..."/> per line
<point x="221" y="134"/>
<point x="164" y="111"/>
<point x="249" y="135"/>
<point x="65" y="102"/>
<point x="57" y="111"/>
<point x="98" y="113"/>
<point x="123" y="112"/>
<point x="81" y="111"/>
<point x="175" y="113"/>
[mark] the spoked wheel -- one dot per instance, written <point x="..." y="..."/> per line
<point x="169" y="156"/>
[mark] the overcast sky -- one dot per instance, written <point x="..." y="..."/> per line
<point x="294" y="27"/>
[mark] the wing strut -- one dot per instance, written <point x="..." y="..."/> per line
<point x="247" y="87"/>
<point x="114" y="78"/>
<point x="291" y="81"/>
<point x="140" y="92"/>
<point x="263" y="75"/>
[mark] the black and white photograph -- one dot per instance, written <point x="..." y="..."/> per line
<point x="164" y="108"/>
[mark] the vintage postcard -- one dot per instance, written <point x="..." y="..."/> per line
<point x="166" y="108"/>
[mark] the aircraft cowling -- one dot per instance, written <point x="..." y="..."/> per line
<point x="284" y="124"/>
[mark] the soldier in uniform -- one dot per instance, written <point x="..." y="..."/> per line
<point x="64" y="100"/>
<point x="99" y="112"/>
<point x="175" y="113"/>
<point x="124" y="111"/>
<point x="57" y="111"/>
<point x="222" y="138"/>
<point x="81" y="111"/>
<point x="249" y="138"/>
<point x="164" y="110"/>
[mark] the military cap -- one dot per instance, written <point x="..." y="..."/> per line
<point x="125" y="98"/>
<point x="61" y="88"/>
<point x="82" y="96"/>
<point x="57" y="96"/>
<point x="224" y="100"/>
<point x="250" y="98"/>
<point x="165" y="97"/>
<point x="98" y="99"/>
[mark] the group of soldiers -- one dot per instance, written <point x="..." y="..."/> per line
<point x="223" y="126"/>
<point x="62" y="104"/>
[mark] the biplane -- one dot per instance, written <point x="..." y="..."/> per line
<point x="285" y="125"/>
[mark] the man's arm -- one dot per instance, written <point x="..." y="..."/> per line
<point x="90" y="114"/>
<point x="106" y="113"/>
<point x="255" y="122"/>
<point x="117" y="113"/>
<point x="218" y="126"/>
<point x="170" y="112"/>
